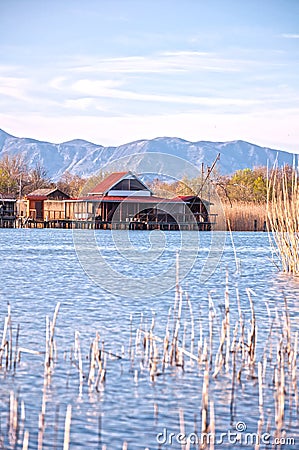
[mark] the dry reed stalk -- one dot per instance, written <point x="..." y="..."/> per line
<point x="50" y="343"/>
<point x="192" y="338"/>
<point x="279" y="392"/>
<point x="67" y="428"/>
<point x="47" y="354"/>
<point x="40" y="436"/>
<point x="287" y="329"/>
<point x="181" y="350"/>
<point x="151" y="338"/>
<point x="94" y="356"/>
<point x="13" y="419"/>
<point x="205" y="403"/>
<point x="42" y="415"/>
<point x="233" y="347"/>
<point x="154" y="362"/>
<point x="211" y="320"/>
<point x="264" y="364"/>
<point x="205" y="350"/>
<point x="138" y="336"/>
<point x="21" y="423"/>
<point x="131" y="336"/>
<point x="227" y="324"/>
<point x="219" y="360"/>
<point x="212" y="428"/>
<point x="52" y="332"/>
<point x="165" y="359"/>
<point x="252" y="334"/>
<point x="261" y="400"/>
<point x="16" y="348"/>
<point x="4" y="343"/>
<point x="258" y="433"/>
<point x="242" y="328"/>
<point x="78" y="357"/>
<point x="232" y="401"/>
<point x="173" y="357"/>
<point x="101" y="377"/>
<point x="10" y="334"/>
<point x="146" y="344"/>
<point x="26" y="440"/>
<point x="283" y="214"/>
<point x="27" y="350"/>
<point x="294" y="372"/>
<point x="200" y="343"/>
<point x="136" y="376"/>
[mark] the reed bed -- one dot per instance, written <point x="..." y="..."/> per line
<point x="283" y="214"/>
<point x="244" y="216"/>
<point x="222" y="348"/>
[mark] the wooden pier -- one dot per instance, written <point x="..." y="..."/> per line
<point x="113" y="225"/>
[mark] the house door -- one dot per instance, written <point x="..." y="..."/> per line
<point x="39" y="210"/>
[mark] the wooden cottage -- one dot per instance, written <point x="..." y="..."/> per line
<point x="46" y="204"/>
<point x="123" y="201"/>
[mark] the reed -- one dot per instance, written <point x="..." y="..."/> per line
<point x="283" y="215"/>
<point x="245" y="216"/>
<point x="67" y="428"/>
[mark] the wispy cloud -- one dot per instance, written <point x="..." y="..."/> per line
<point x="290" y="35"/>
<point x="14" y="87"/>
<point x="163" y="62"/>
<point x="106" y="88"/>
<point x="82" y="104"/>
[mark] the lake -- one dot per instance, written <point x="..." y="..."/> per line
<point x="114" y="283"/>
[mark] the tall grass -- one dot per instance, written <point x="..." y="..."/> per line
<point x="283" y="215"/>
<point x="244" y="216"/>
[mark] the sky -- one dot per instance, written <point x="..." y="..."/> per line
<point x="115" y="71"/>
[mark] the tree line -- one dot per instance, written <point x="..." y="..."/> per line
<point x="18" y="180"/>
<point x="245" y="185"/>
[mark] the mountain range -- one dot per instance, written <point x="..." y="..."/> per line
<point x="85" y="158"/>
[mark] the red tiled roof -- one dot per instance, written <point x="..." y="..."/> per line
<point x="108" y="182"/>
<point x="131" y="198"/>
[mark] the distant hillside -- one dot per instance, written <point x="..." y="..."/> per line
<point x="85" y="158"/>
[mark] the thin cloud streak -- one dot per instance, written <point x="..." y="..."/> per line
<point x="290" y="36"/>
<point x="165" y="62"/>
<point x="14" y="87"/>
<point x="98" y="89"/>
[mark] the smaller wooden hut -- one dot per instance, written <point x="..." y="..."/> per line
<point x="46" y="204"/>
<point x="7" y="212"/>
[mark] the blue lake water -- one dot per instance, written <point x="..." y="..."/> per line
<point x="41" y="267"/>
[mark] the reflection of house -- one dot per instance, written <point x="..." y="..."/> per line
<point x="46" y="204"/>
<point x="122" y="200"/>
<point x="7" y="212"/>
